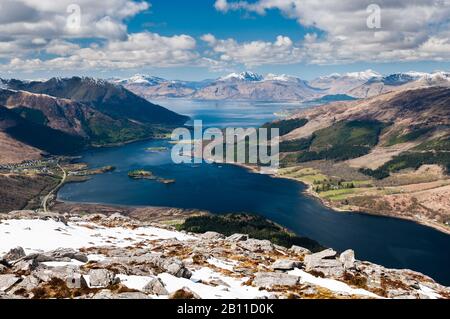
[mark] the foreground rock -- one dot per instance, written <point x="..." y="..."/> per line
<point x="270" y="280"/>
<point x="14" y="254"/>
<point x="122" y="258"/>
<point x="102" y="278"/>
<point x="155" y="287"/>
<point x="7" y="281"/>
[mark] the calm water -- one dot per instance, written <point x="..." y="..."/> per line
<point x="224" y="188"/>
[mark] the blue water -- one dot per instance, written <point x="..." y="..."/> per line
<point x="224" y="188"/>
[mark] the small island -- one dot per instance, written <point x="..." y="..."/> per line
<point x="143" y="174"/>
<point x="156" y="149"/>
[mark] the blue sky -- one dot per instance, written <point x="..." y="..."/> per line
<point x="193" y="40"/>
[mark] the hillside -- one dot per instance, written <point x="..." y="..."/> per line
<point x="383" y="155"/>
<point x="63" y="116"/>
<point x="38" y="136"/>
<point x="110" y="99"/>
<point x="116" y="257"/>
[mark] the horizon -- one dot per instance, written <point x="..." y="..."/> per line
<point x="220" y="76"/>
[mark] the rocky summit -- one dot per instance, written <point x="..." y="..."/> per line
<point x="48" y="255"/>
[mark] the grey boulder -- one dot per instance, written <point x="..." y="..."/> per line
<point x="102" y="278"/>
<point x="212" y="235"/>
<point x="14" y="254"/>
<point x="347" y="258"/>
<point x="273" y="279"/>
<point x="256" y="245"/>
<point x="155" y="287"/>
<point x="60" y="254"/>
<point x="7" y="281"/>
<point x="285" y="264"/>
<point x="299" y="250"/>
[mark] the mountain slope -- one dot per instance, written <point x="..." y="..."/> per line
<point x="400" y="81"/>
<point x="62" y="116"/>
<point x="37" y="135"/>
<point x="407" y="108"/>
<point x="74" y="118"/>
<point x="113" y="100"/>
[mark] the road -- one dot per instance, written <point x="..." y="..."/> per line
<point x="46" y="198"/>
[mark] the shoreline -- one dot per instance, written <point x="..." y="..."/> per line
<point x="311" y="193"/>
<point x="308" y="192"/>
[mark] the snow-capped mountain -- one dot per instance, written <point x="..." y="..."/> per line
<point x="400" y="81"/>
<point x="243" y="76"/>
<point x="141" y="79"/>
<point x="341" y="83"/>
<point x="251" y="86"/>
<point x="248" y="76"/>
<point x="272" y="87"/>
<point x="3" y="84"/>
<point x="239" y="86"/>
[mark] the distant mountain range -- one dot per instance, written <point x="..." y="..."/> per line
<point x="272" y="87"/>
<point x="62" y="116"/>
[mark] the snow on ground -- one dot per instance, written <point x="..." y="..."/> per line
<point x="330" y="284"/>
<point x="430" y="293"/>
<point x="36" y="235"/>
<point x="228" y="287"/>
<point x="135" y="282"/>
<point x="224" y="264"/>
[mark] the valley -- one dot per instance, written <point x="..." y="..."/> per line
<point x="355" y="157"/>
<point x="349" y="153"/>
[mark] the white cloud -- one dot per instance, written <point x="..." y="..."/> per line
<point x="48" y="18"/>
<point x="411" y="29"/>
<point x="254" y="53"/>
<point x="29" y="28"/>
<point x="138" y="50"/>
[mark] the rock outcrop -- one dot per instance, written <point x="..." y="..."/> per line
<point x="123" y="258"/>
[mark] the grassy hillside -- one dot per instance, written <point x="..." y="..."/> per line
<point x="412" y="160"/>
<point x="286" y="126"/>
<point x="341" y="141"/>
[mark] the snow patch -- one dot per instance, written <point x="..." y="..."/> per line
<point x="330" y="284"/>
<point x="231" y="288"/>
<point x="37" y="235"/>
<point x="224" y="264"/>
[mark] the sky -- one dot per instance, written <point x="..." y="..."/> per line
<point x="195" y="40"/>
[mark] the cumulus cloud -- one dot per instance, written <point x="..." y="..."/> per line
<point x="138" y="50"/>
<point x="412" y="29"/>
<point x="254" y="53"/>
<point x="54" y="28"/>
<point x="48" y="18"/>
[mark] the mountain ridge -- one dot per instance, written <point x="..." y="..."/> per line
<point x="271" y="87"/>
<point x="85" y="111"/>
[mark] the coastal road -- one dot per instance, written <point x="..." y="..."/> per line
<point x="46" y="198"/>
